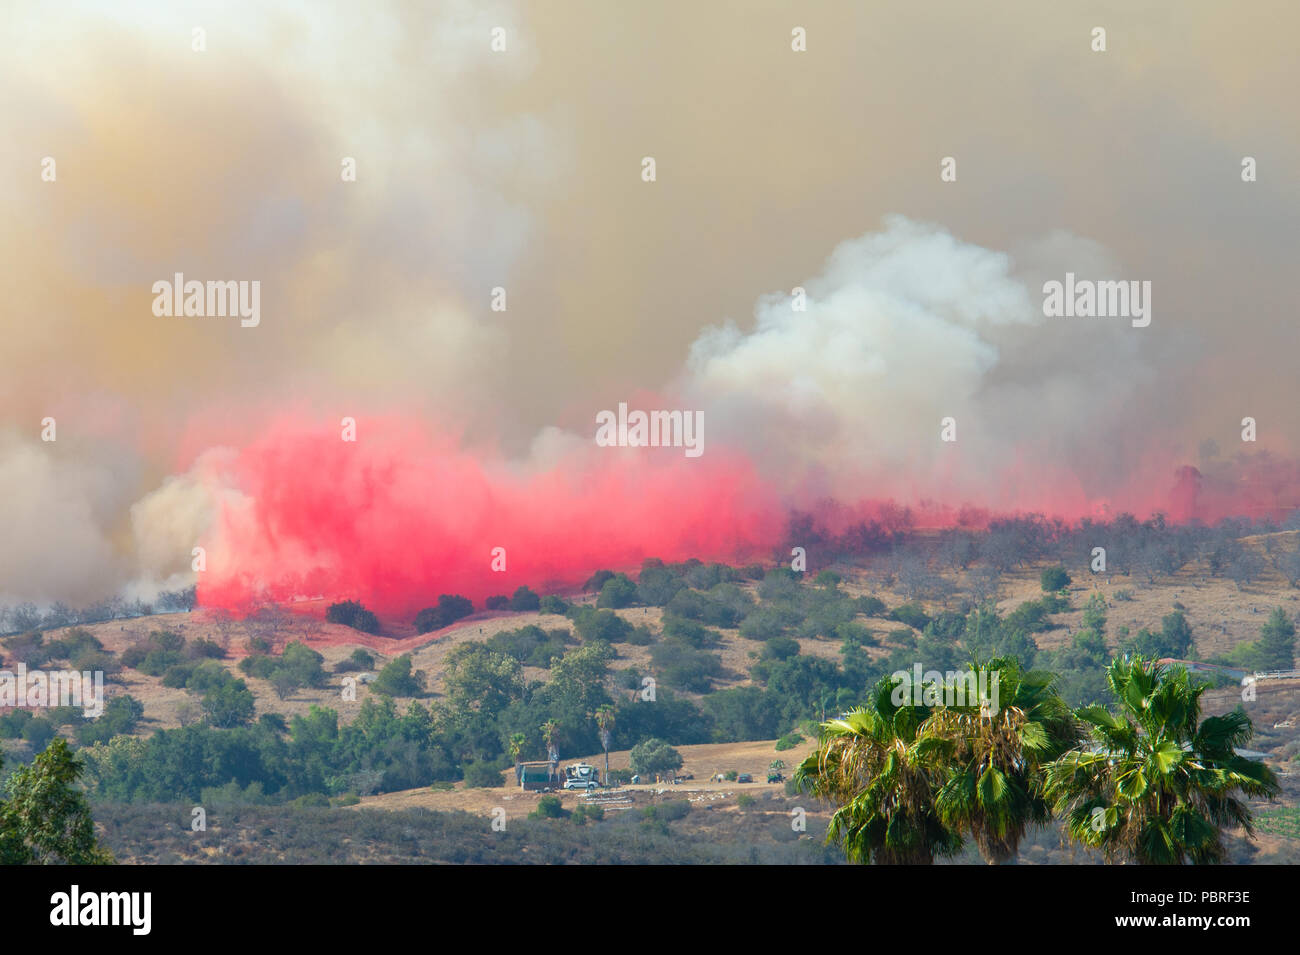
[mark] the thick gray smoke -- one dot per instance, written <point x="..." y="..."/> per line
<point x="903" y="328"/>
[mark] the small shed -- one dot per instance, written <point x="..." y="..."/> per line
<point x="536" y="776"/>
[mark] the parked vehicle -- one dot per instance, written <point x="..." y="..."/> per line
<point x="744" y="778"/>
<point x="581" y="776"/>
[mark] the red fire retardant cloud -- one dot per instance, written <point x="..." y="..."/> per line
<point x="400" y="516"/>
<point x="404" y="514"/>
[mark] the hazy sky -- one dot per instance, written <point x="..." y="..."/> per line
<point x="522" y="169"/>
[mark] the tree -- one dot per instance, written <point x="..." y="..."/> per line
<point x="352" y="614"/>
<point x="284" y="683"/>
<point x="229" y="704"/>
<point x="596" y="581"/>
<point x="617" y="592"/>
<point x="1053" y="579"/>
<point x="44" y="818"/>
<point x="654" y="757"/>
<point x="550" y="736"/>
<point x="883" y="776"/>
<point x="516" y="748"/>
<point x="994" y="788"/>
<point x="578" y="678"/>
<point x="605" y="723"/>
<point x="1158" y="784"/>
<point x="525" y="599"/>
<point x="1275" y="648"/>
<point x="553" y="604"/>
<point x="450" y="608"/>
<point x="1176" y="634"/>
<point x="1173" y="640"/>
<point x="482" y="680"/>
<point x="398" y="679"/>
<point x="657" y="585"/>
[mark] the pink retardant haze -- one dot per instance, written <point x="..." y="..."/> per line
<point x="404" y="514"/>
<point x="400" y="516"/>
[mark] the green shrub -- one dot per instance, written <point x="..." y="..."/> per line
<point x="672" y="810"/>
<point x="89" y="660"/>
<point x="768" y="622"/>
<point x="553" y="604"/>
<point x="360" y="660"/>
<point x="230" y="704"/>
<point x="207" y="675"/>
<point x="596" y="581"/>
<point x="680" y="665"/>
<point x="617" y="592"/>
<point x="351" y="613"/>
<point x="120" y="717"/>
<point x="780" y="648"/>
<point x="910" y="614"/>
<point x="703" y="607"/>
<point x="872" y="607"/>
<point x="12" y="723"/>
<point x="398" y="679"/>
<point x="156" y="654"/>
<point x="177" y="676"/>
<point x="29" y="648"/>
<point x="483" y="775"/>
<point x="258" y="665"/>
<point x="524" y="599"/>
<point x="548" y="807"/>
<point x="74" y="642"/>
<point x="593" y="624"/>
<point x="39" y="731"/>
<point x="788" y="741"/>
<point x="1053" y="579"/>
<point x="641" y="636"/>
<point x="202" y="649"/>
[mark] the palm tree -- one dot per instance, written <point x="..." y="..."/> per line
<point x="550" y="733"/>
<point x="1158" y="784"/>
<point x="996" y="754"/>
<point x="605" y="722"/>
<point x="517" y="743"/>
<point x="883" y="774"/>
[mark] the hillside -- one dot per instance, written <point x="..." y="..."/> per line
<point x="1221" y="615"/>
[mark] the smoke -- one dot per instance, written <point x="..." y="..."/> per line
<point x="842" y="399"/>
<point x="479" y="169"/>
<point x="57" y="511"/>
<point x="835" y="406"/>
<point x="909" y="326"/>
